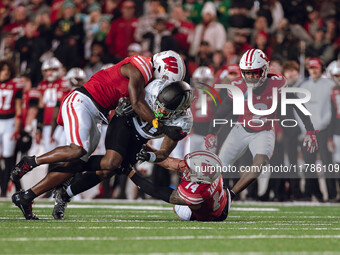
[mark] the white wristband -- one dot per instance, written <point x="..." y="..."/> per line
<point x="152" y="157"/>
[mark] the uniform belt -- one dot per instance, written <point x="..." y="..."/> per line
<point x="104" y="111"/>
<point x="7" y="116"/>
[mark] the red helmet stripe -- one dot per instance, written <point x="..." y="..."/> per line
<point x="247" y="56"/>
<point x="251" y="56"/>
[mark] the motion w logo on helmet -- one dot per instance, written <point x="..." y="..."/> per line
<point x="171" y="64"/>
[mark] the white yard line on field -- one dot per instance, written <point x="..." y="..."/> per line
<point x="143" y="207"/>
<point x="150" y="238"/>
<point x="209" y="253"/>
<point x="178" y="228"/>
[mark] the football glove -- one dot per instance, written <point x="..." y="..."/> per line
<point x="175" y="133"/>
<point x="210" y="142"/>
<point x="144" y="155"/>
<point x="124" y="107"/>
<point x="310" y="141"/>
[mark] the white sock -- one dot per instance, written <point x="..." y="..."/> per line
<point x="69" y="191"/>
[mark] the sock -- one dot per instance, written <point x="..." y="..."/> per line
<point x="69" y="191"/>
<point x="29" y="195"/>
<point x="93" y="164"/>
<point x="87" y="181"/>
<point x="35" y="161"/>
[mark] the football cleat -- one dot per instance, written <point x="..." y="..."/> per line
<point x="25" y="165"/>
<point x="24" y="205"/>
<point x="61" y="200"/>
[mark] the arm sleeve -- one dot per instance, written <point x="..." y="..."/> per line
<point x="304" y="118"/>
<point x="40" y="118"/>
<point x="147" y="186"/>
<point x="225" y="111"/>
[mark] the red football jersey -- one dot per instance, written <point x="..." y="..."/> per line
<point x="212" y="198"/>
<point x="108" y="85"/>
<point x="9" y="91"/>
<point x="261" y="101"/>
<point x="27" y="96"/>
<point x="52" y="93"/>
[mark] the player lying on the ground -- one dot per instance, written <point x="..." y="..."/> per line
<point x="254" y="131"/>
<point x="124" y="139"/>
<point x="200" y="195"/>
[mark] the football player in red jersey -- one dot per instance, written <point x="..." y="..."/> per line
<point x="84" y="109"/>
<point x="200" y="195"/>
<point x="260" y="139"/>
<point x="10" y="118"/>
<point x="52" y="90"/>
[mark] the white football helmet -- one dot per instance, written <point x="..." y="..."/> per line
<point x="203" y="74"/>
<point x="254" y="61"/>
<point x="76" y="76"/>
<point x="168" y="65"/>
<point x="335" y="72"/>
<point x="52" y="64"/>
<point x="202" y="166"/>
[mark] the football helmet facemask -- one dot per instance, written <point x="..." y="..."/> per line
<point x="76" y="76"/>
<point x="54" y="65"/>
<point x="173" y="99"/>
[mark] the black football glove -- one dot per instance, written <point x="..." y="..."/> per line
<point x="144" y="155"/>
<point x="124" y="107"/>
<point x="175" y="133"/>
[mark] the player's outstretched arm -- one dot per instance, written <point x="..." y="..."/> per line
<point x="158" y="155"/>
<point x="166" y="194"/>
<point x="310" y="138"/>
<point x="137" y="92"/>
<point x="170" y="163"/>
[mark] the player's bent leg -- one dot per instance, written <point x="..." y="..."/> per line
<point x="251" y="174"/>
<point x="111" y="160"/>
<point x="59" y="154"/>
<point x="25" y="165"/>
<point x="21" y="200"/>
<point x="62" y="154"/>
<point x="54" y="178"/>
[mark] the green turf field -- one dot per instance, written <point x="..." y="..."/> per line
<point x="140" y="228"/>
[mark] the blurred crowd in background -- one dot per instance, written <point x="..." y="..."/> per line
<point x="297" y="36"/>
